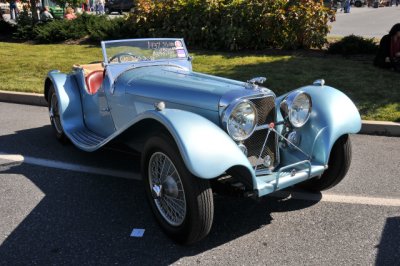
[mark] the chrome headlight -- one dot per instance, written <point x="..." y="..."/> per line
<point x="297" y="107"/>
<point x="240" y="120"/>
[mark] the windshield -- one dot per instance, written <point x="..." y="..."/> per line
<point x="139" y="50"/>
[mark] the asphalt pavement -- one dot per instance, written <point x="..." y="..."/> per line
<point x="365" y="21"/>
<point x="59" y="205"/>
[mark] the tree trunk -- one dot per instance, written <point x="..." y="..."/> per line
<point x="35" y="16"/>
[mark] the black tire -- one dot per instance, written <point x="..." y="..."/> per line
<point x="338" y="165"/>
<point x="197" y="194"/>
<point x="54" y="115"/>
<point x="357" y="4"/>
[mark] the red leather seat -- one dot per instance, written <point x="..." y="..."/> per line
<point x="94" y="80"/>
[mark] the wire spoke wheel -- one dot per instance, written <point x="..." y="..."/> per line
<point x="55" y="114"/>
<point x="181" y="202"/>
<point x="167" y="189"/>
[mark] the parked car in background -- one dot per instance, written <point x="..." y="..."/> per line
<point x="198" y="133"/>
<point x="118" y="6"/>
<point x="339" y="3"/>
<point x="385" y="2"/>
<point x="356" y="3"/>
<point x="56" y="11"/>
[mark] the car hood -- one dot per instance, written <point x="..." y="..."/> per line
<point x="179" y="86"/>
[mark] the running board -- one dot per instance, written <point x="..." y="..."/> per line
<point x="85" y="138"/>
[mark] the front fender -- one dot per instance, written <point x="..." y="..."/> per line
<point x="206" y="149"/>
<point x="333" y="115"/>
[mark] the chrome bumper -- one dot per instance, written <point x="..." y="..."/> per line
<point x="287" y="176"/>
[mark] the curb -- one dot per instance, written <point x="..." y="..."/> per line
<point x="384" y="128"/>
<point x="368" y="127"/>
<point x="23" y="98"/>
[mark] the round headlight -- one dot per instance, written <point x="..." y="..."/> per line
<point x="241" y="120"/>
<point x="298" y="108"/>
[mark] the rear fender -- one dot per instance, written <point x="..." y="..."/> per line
<point x="333" y="115"/>
<point x="69" y="99"/>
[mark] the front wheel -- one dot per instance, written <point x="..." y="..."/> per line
<point x="182" y="203"/>
<point x="338" y="165"/>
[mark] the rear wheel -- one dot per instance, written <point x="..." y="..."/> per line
<point x="182" y="203"/>
<point x="54" y="114"/>
<point x="338" y="165"/>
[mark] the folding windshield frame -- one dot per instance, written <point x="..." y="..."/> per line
<point x="105" y="58"/>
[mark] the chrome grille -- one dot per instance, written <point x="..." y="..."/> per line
<point x="265" y="108"/>
<point x="266" y="114"/>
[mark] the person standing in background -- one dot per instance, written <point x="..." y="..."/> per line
<point x="388" y="55"/>
<point x="347" y="6"/>
<point x="100" y="7"/>
<point x="334" y="9"/>
<point x="13" y="10"/>
<point x="46" y="16"/>
<point x="69" y="14"/>
<point x="96" y="6"/>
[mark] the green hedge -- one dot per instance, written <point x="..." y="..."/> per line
<point x="95" y="27"/>
<point x="353" y="45"/>
<point x="6" y="28"/>
<point x="235" y="24"/>
<point x="210" y="24"/>
<point x="24" y="28"/>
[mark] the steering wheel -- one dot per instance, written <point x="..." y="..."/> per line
<point x="121" y="55"/>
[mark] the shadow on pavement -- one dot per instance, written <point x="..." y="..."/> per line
<point x="389" y="246"/>
<point x="88" y="218"/>
<point x="84" y="218"/>
<point x="41" y="143"/>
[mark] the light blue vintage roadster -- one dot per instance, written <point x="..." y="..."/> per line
<point x="197" y="133"/>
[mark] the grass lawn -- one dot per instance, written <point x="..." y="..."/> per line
<point x="376" y="92"/>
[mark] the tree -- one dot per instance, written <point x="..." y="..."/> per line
<point x="34" y="10"/>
